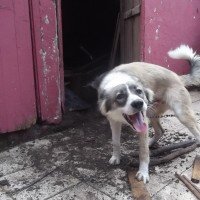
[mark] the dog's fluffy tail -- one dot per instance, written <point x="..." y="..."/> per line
<point x="187" y="53"/>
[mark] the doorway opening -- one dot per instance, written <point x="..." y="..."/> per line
<point x="88" y="34"/>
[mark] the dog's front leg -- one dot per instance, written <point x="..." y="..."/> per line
<point x="116" y="135"/>
<point x="143" y="173"/>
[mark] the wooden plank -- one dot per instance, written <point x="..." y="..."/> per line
<point x="130" y="24"/>
<point x="60" y="47"/>
<point x="17" y="92"/>
<point x="129" y="34"/>
<point x="196" y="170"/>
<point x="132" y="12"/>
<point x="136" y="33"/>
<point x="138" y="188"/>
<point x="115" y="43"/>
<point x="47" y="59"/>
<point x="122" y="31"/>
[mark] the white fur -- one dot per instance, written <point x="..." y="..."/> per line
<point x="172" y="94"/>
<point x="127" y="109"/>
<point x="116" y="134"/>
<point x="116" y="120"/>
<point x="143" y="173"/>
<point x="116" y="114"/>
<point x="182" y="52"/>
<point x="114" y="79"/>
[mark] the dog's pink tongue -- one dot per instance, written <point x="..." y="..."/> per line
<point x="139" y="124"/>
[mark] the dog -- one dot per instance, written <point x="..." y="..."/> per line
<point x="127" y="92"/>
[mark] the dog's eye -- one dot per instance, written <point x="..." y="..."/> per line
<point x="120" y="96"/>
<point x="139" y="91"/>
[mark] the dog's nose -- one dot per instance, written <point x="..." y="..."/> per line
<point x="137" y="104"/>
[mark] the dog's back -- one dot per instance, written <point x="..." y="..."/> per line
<point x="152" y="76"/>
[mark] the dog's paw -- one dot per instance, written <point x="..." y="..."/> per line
<point x="143" y="176"/>
<point x="114" y="160"/>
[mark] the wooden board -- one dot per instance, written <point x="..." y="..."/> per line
<point x="130" y="30"/>
<point x="17" y="87"/>
<point x="196" y="170"/>
<point x="138" y="188"/>
<point x="48" y="59"/>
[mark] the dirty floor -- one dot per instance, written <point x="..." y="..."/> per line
<point x="73" y="164"/>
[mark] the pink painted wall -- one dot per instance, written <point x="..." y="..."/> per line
<point x="17" y="88"/>
<point x="165" y="24"/>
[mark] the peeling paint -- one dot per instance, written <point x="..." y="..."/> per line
<point x="42" y="33"/>
<point x="149" y="50"/>
<point x="55" y="44"/>
<point x="155" y="9"/>
<point x="46" y="69"/>
<point x="157" y="33"/>
<point x="46" y="20"/>
<point x="151" y="20"/>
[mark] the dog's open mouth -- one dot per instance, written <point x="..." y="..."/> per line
<point x="137" y="122"/>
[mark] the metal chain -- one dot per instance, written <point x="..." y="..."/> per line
<point x="171" y="115"/>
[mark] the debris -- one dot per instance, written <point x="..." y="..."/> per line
<point x="173" y="155"/>
<point x="171" y="147"/>
<point x="74" y="103"/>
<point x="193" y="188"/>
<point x="196" y="170"/>
<point x="175" y="150"/>
<point x="4" y="183"/>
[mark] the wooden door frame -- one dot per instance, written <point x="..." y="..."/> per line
<point x="46" y="28"/>
<point x="130" y="22"/>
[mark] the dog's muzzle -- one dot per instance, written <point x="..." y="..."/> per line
<point x="136" y="121"/>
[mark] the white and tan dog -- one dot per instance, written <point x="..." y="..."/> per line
<point x="125" y="92"/>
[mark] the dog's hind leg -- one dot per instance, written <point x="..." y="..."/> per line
<point x="116" y="135"/>
<point x="159" y="131"/>
<point x="157" y="110"/>
<point x="180" y="103"/>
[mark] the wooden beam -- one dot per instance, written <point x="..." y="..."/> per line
<point x="132" y="12"/>
<point x="138" y="188"/>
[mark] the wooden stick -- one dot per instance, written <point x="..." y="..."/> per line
<point x="173" y="155"/>
<point x="138" y="188"/>
<point x="188" y="185"/>
<point x="189" y="181"/>
<point x="171" y="147"/>
<point x="168" y="148"/>
<point x="115" y="43"/>
<point x="169" y="157"/>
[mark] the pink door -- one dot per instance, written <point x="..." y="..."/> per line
<point x="31" y="72"/>
<point x="17" y="87"/>
<point x="47" y="53"/>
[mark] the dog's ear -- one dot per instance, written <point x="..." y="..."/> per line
<point x="97" y="81"/>
<point x="149" y="94"/>
<point x="105" y="101"/>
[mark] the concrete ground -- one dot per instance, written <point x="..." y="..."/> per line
<point x="73" y="164"/>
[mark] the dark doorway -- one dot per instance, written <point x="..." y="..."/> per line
<point x="88" y="32"/>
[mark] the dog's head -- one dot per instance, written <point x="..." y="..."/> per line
<point x="123" y="98"/>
